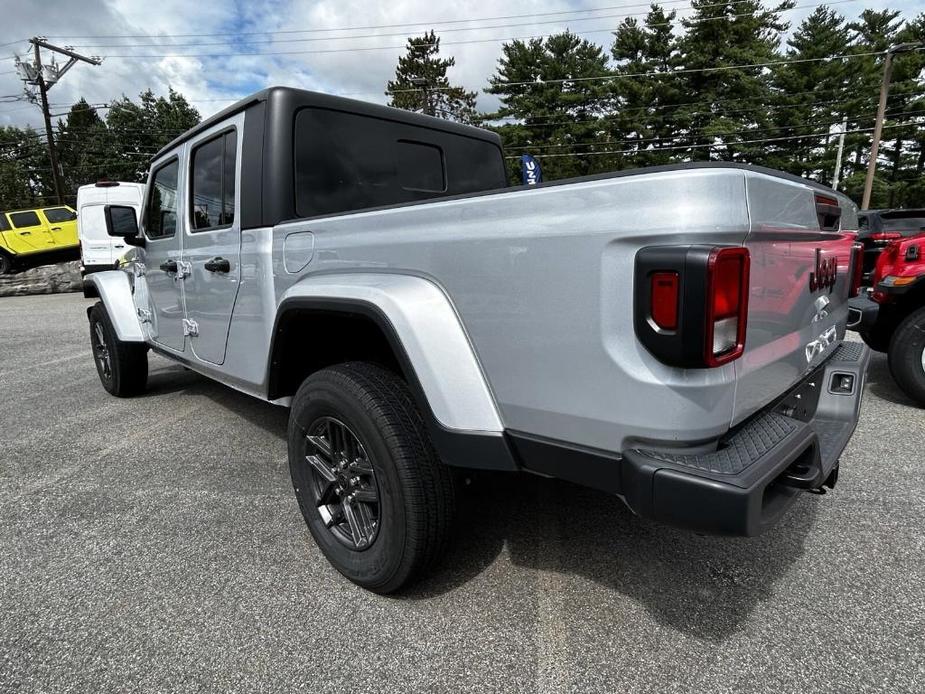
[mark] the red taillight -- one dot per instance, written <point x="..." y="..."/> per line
<point x="885" y="236"/>
<point x="727" y="305"/>
<point x="857" y="269"/>
<point x="664" y="298"/>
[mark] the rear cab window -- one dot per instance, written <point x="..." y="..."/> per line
<point x="346" y="162"/>
<point x="4" y="222"/>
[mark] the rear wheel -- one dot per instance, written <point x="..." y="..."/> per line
<point x="376" y="498"/>
<point x="122" y="366"/>
<point x="907" y="356"/>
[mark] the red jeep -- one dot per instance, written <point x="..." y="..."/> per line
<point x="891" y="318"/>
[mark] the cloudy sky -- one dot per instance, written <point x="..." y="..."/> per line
<point x="206" y="49"/>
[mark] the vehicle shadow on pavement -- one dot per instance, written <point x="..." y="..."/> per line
<point x="702" y="586"/>
<point x="881" y="383"/>
<point x="698" y="585"/>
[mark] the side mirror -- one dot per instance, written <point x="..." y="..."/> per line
<point x="122" y="223"/>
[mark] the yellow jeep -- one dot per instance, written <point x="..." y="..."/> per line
<point x="34" y="237"/>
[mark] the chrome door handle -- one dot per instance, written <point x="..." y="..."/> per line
<point x="169" y="266"/>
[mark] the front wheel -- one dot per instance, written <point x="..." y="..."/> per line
<point x="6" y="264"/>
<point x="122" y="366"/>
<point x="376" y="498"/>
<point x="907" y="356"/>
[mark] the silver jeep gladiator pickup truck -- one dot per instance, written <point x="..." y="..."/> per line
<point x="671" y="335"/>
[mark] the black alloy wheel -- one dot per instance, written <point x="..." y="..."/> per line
<point x="344" y="483"/>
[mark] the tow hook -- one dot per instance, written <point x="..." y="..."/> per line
<point x="830" y="481"/>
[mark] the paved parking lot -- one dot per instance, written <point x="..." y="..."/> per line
<point x="154" y="544"/>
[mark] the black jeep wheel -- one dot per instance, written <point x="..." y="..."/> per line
<point x="371" y="488"/>
<point x="907" y="356"/>
<point x="122" y="366"/>
<point x="6" y="263"/>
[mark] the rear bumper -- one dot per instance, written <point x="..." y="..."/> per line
<point x="862" y="313"/>
<point x="757" y="471"/>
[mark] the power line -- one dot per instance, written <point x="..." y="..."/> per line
<point x="384" y="26"/>
<point x="740" y="131"/>
<point x="695" y="146"/>
<point x="233" y="36"/>
<point x="443" y="43"/>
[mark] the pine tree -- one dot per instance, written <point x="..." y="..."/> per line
<point x="552" y="88"/>
<point x="811" y="97"/>
<point x="645" y="104"/>
<point x="421" y="83"/>
<point x="730" y="106"/>
<point x="873" y="32"/>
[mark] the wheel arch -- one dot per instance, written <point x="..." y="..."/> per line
<point x="407" y="324"/>
<point x="115" y="291"/>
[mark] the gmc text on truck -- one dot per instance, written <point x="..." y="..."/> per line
<point x="672" y="335"/>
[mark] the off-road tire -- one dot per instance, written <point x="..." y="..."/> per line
<point x="906" y="355"/>
<point x="417" y="500"/>
<point x="128" y="361"/>
<point x="6" y="264"/>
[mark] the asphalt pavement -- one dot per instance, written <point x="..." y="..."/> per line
<point x="154" y="545"/>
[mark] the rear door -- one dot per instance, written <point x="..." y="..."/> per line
<point x="212" y="238"/>
<point x="61" y="223"/>
<point x="800" y="279"/>
<point x="95" y="243"/>
<point x="162" y="255"/>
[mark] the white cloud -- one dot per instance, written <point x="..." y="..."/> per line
<point x="206" y="81"/>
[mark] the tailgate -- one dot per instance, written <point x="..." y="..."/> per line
<point x="797" y="310"/>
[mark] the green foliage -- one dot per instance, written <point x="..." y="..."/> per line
<point x="550" y="87"/>
<point x="118" y="148"/>
<point x="24" y="172"/>
<point x="421" y="83"/>
<point x="645" y="107"/>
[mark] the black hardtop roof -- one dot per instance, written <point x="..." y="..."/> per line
<point x="898" y="212"/>
<point x="290" y="98"/>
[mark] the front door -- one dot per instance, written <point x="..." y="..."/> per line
<point x="28" y="234"/>
<point x="163" y="266"/>
<point x="212" y="242"/>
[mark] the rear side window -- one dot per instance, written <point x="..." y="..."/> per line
<point x="24" y="219"/>
<point x="59" y="214"/>
<point x="346" y="162"/>
<point x="213" y="167"/>
<point x="4" y="223"/>
<point x="161" y="212"/>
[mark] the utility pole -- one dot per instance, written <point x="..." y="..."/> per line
<point x="841" y="149"/>
<point x="44" y="77"/>
<point x="424" y="85"/>
<point x="881" y="109"/>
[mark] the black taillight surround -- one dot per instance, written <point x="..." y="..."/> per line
<point x="685" y="346"/>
